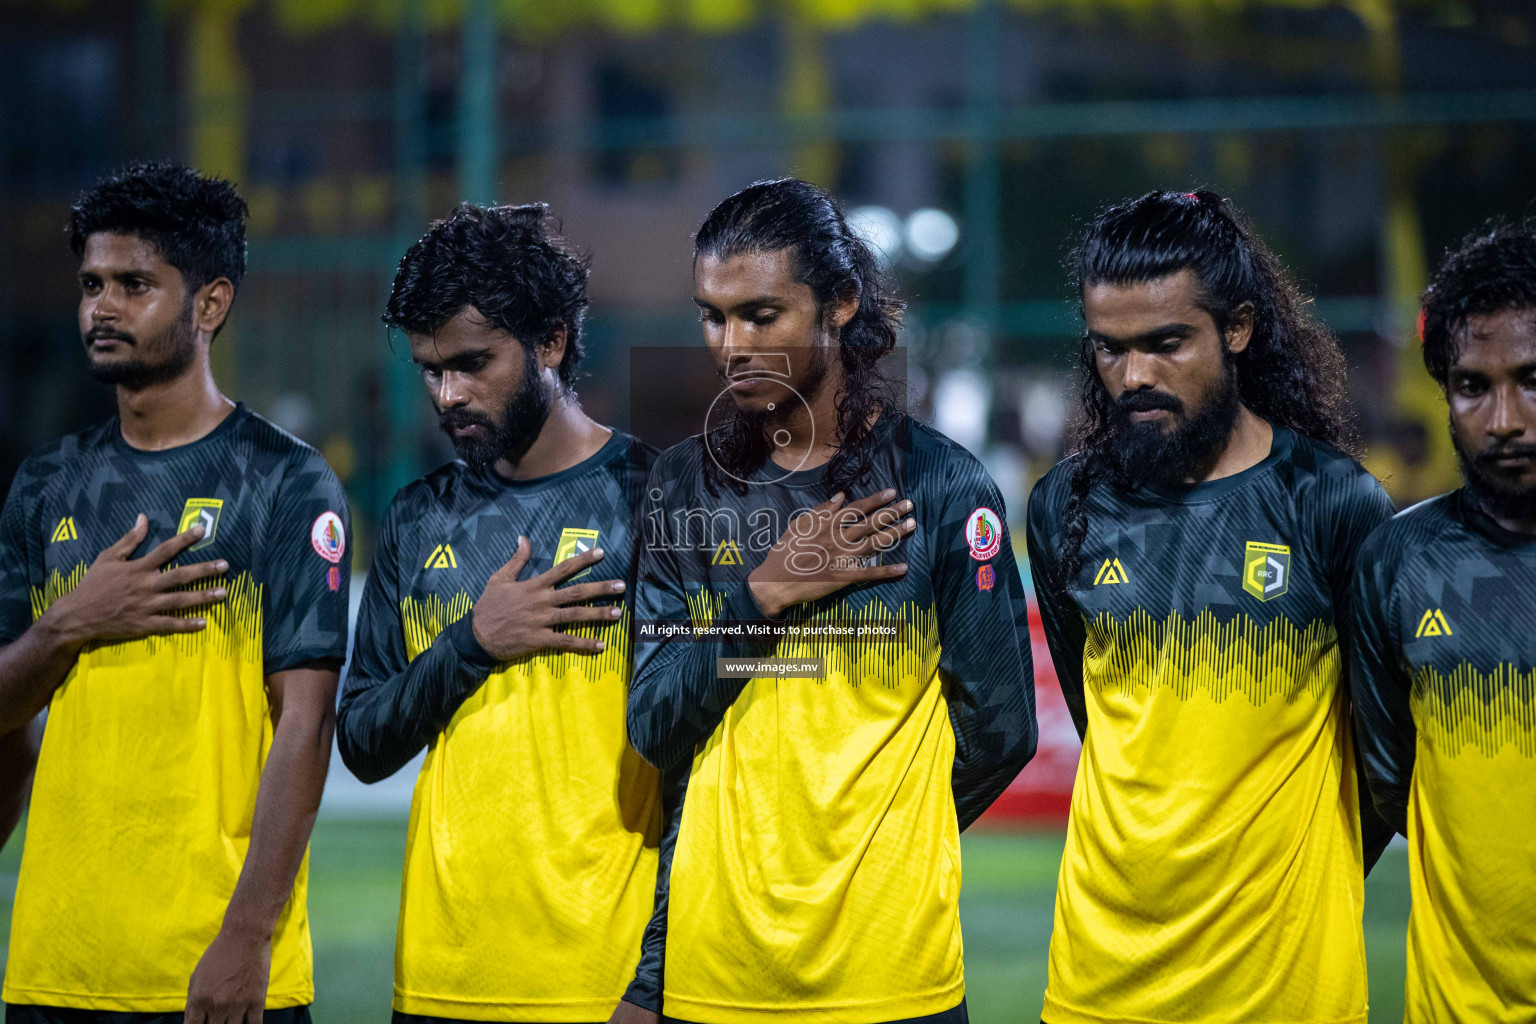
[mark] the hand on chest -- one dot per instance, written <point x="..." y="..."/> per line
<point x="231" y="529"/>
<point x="461" y="558"/>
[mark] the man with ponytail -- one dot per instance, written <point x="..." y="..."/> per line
<point x="1192" y="560"/>
<point x="831" y="639"/>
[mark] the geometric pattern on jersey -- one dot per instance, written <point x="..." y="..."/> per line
<point x="1446" y="658"/>
<point x="153" y="749"/>
<point x="233" y="627"/>
<point x="1212" y="658"/>
<point x="423" y="621"/>
<point x="896" y="648"/>
<point x="532" y="850"/>
<point x="817" y="867"/>
<point x="1214" y="863"/>
<point x="1473" y="709"/>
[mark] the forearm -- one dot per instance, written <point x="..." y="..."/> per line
<point x="646" y="988"/>
<point x="676" y="698"/>
<point x="18" y="758"/>
<point x="34" y="665"/>
<point x="989" y="764"/>
<point x="1065" y="637"/>
<point x="992" y="706"/>
<point x="289" y="796"/>
<point x="383" y="723"/>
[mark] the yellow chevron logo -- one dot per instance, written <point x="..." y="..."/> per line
<point x="726" y="553"/>
<point x="1433" y="624"/>
<point x="1111" y="572"/>
<point x="442" y="557"/>
<point x="64" y="531"/>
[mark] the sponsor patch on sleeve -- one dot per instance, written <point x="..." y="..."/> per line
<point x="984" y="533"/>
<point x="329" y="537"/>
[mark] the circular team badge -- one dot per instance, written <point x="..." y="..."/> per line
<point x="329" y="537"/>
<point x="984" y="534"/>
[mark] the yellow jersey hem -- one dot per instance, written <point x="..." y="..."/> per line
<point x="1057" y="1012"/>
<point x="135" y="1003"/>
<point x="920" y="1004"/>
<point x="554" y="1011"/>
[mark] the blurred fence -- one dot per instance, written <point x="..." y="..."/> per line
<point x="1361" y="137"/>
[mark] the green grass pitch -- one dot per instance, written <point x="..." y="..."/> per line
<point x="1010" y="882"/>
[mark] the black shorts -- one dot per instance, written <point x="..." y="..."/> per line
<point x="26" y="1013"/>
<point x="954" y="1015"/>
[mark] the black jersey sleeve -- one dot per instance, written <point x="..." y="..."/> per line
<point x="675" y="697"/>
<point x="1065" y="634"/>
<point x="984" y="646"/>
<point x="391" y="705"/>
<point x="645" y="990"/>
<point x="303" y="567"/>
<point x="1382" y="684"/>
<point x="1350" y="504"/>
<point x="17" y="533"/>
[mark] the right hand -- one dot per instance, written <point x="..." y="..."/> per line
<point x="124" y="598"/>
<point x="833" y="539"/>
<point x="516" y="617"/>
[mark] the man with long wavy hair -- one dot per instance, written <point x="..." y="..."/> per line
<point x="1192" y="560"/>
<point x="817" y="863"/>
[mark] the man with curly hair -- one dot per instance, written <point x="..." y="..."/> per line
<point x="1192" y="562"/>
<point x="494" y="635"/>
<point x="173" y="590"/>
<point x="1445" y="653"/>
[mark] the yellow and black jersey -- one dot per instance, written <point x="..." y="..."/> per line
<point x="1213" y="870"/>
<point x="1445" y="650"/>
<point x="153" y="749"/>
<point x="817" y="867"/>
<point x="535" y="830"/>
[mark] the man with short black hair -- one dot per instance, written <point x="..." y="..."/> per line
<point x="1445" y="655"/>
<point x="536" y="831"/>
<point x="173" y="589"/>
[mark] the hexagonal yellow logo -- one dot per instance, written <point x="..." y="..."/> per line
<point x="1266" y="570"/>
<point x="202" y="512"/>
<point x="573" y="542"/>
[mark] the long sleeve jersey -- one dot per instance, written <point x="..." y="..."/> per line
<point x="817" y="867"/>
<point x="536" y="831"/>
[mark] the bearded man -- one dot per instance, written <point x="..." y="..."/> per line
<point x="1192" y="561"/>
<point x="1445" y="598"/>
<point x="535" y="835"/>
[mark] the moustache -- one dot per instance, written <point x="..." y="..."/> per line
<point x="453" y="419"/>
<point x="101" y="333"/>
<point x="1504" y="451"/>
<point x="1145" y="401"/>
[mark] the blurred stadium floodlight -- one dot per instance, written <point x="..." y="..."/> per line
<point x="930" y="234"/>
<point x="880" y="228"/>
